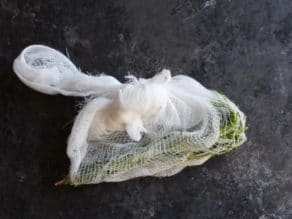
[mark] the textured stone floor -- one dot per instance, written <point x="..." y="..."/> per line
<point x="241" y="48"/>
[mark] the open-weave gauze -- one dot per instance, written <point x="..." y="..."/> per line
<point x="191" y="125"/>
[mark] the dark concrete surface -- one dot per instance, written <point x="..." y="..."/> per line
<point x="240" y="47"/>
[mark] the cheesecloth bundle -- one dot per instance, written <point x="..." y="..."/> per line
<point x="145" y="127"/>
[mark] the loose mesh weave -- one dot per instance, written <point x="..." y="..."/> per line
<point x="180" y="123"/>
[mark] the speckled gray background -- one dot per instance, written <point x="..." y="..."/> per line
<point x="240" y="47"/>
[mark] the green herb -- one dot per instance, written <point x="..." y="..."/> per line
<point x="169" y="150"/>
